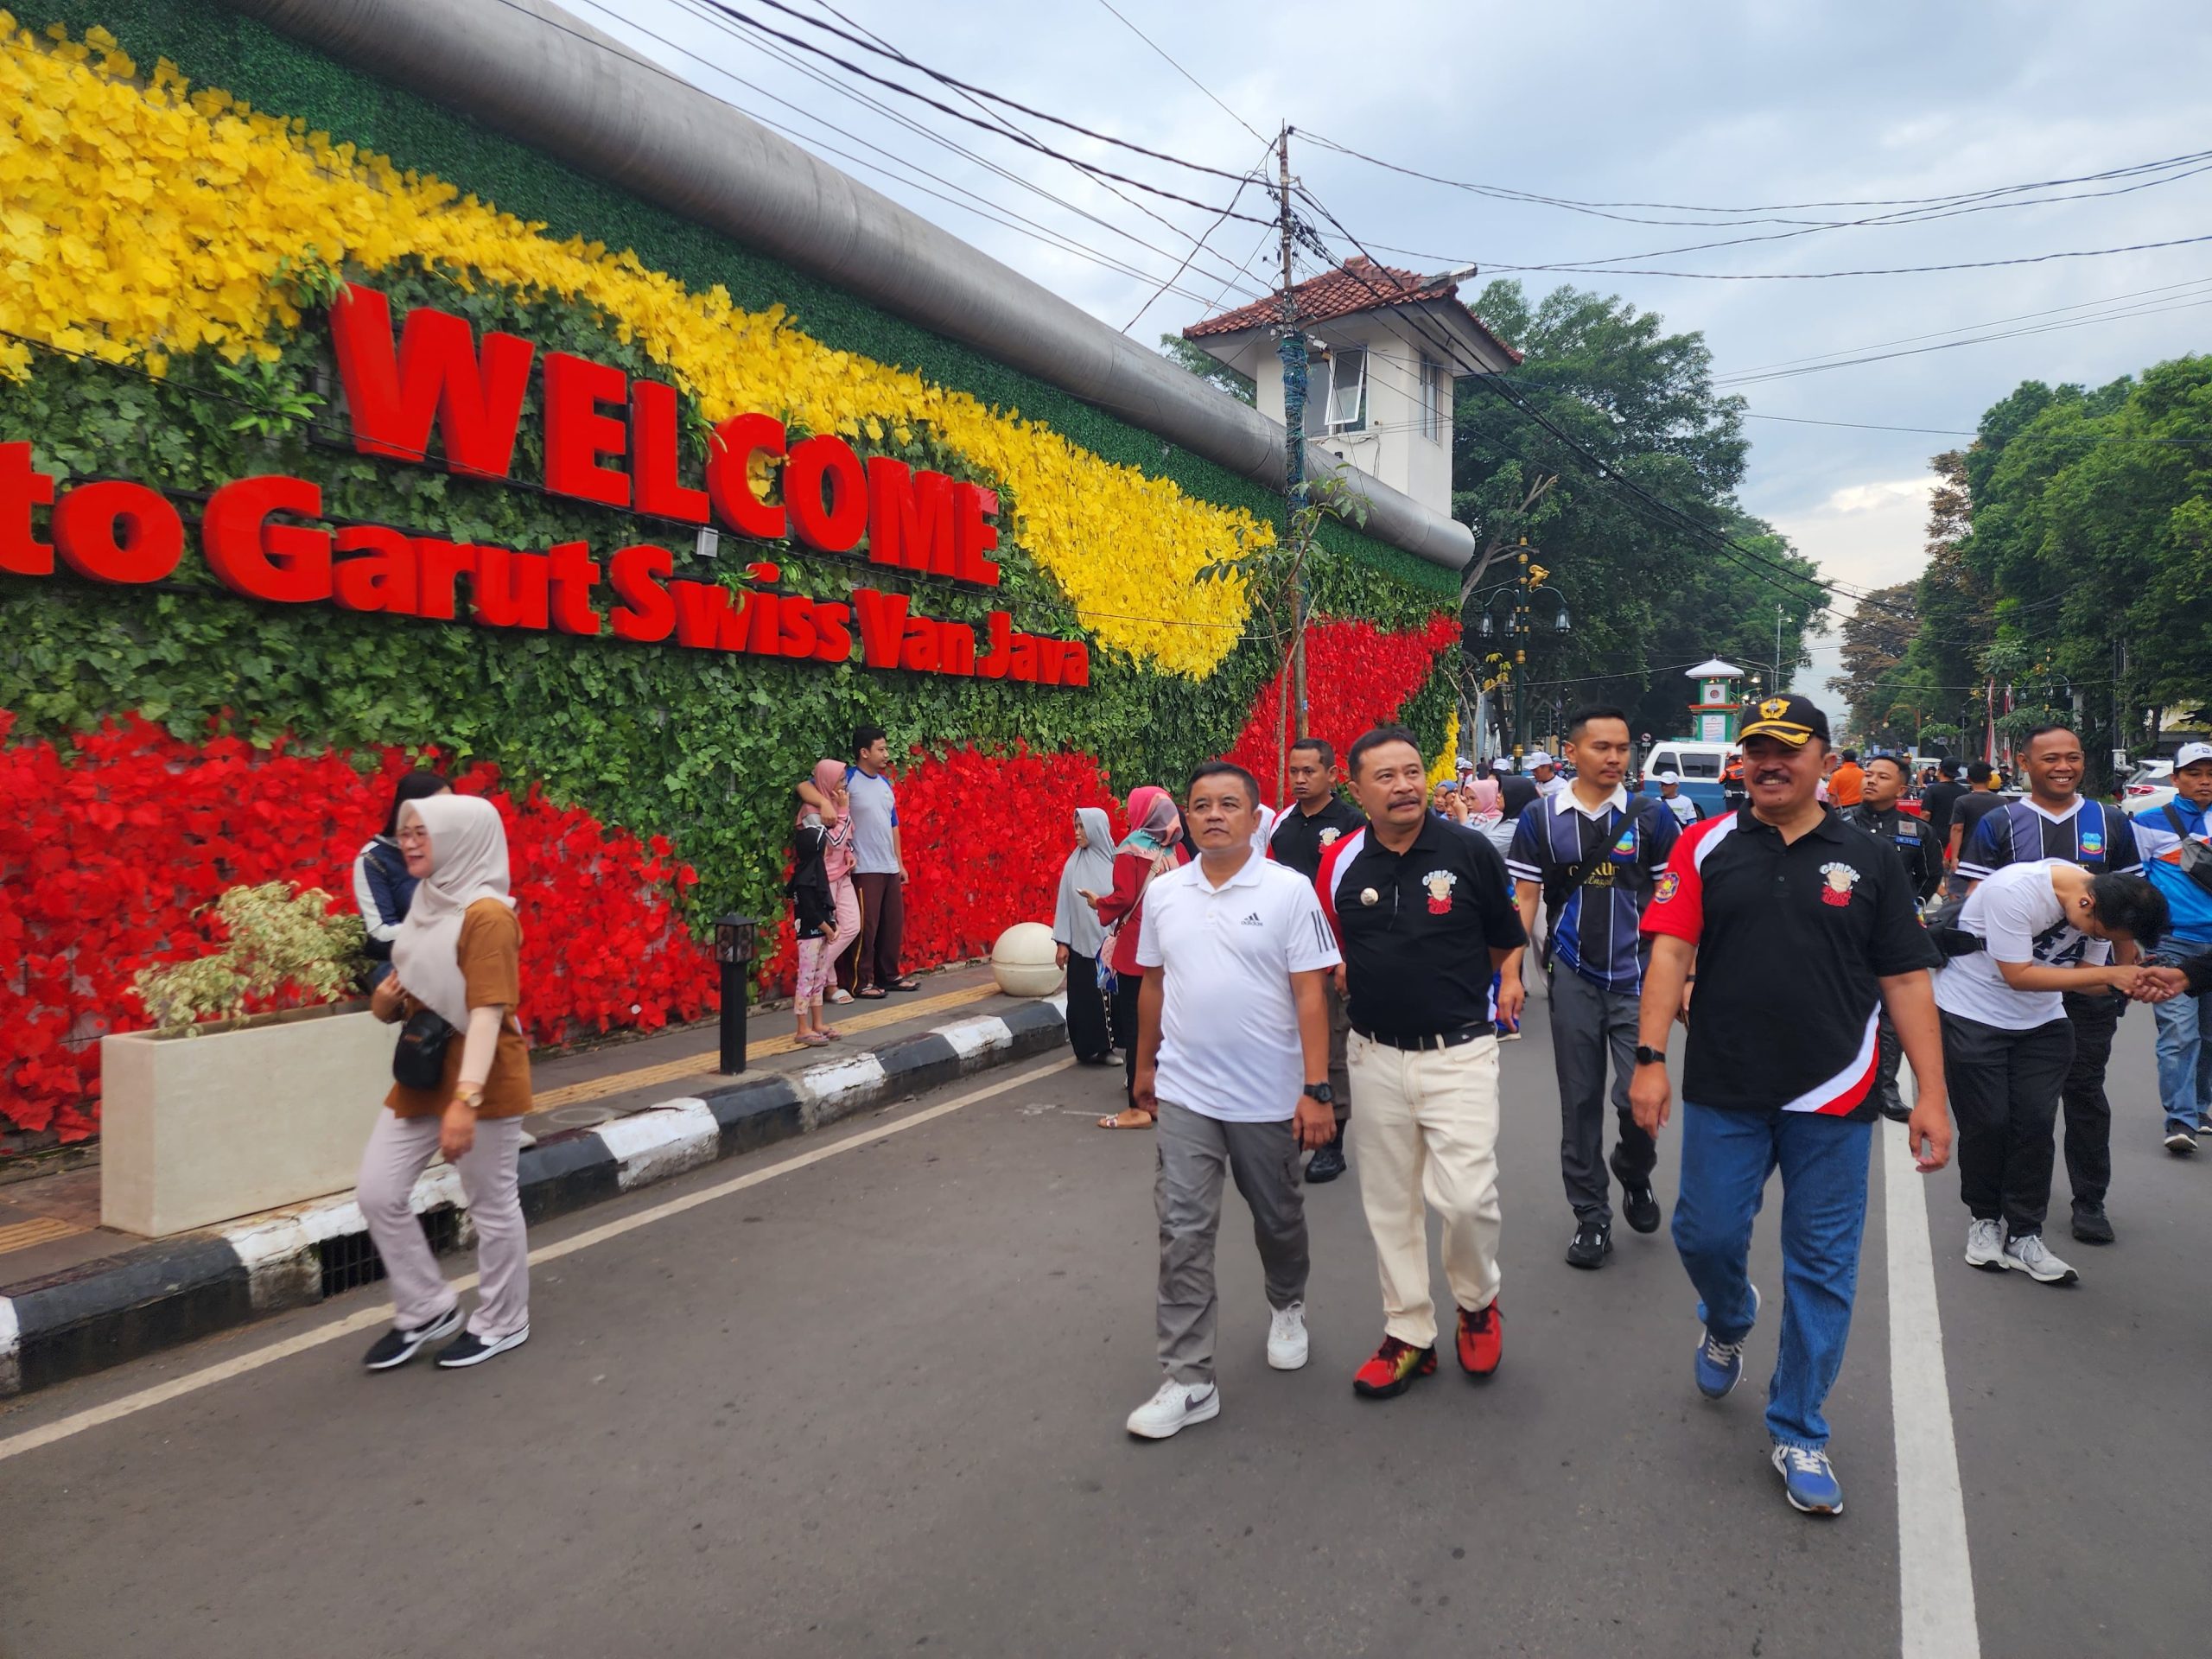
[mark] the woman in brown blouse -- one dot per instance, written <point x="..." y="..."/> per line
<point x="459" y="954"/>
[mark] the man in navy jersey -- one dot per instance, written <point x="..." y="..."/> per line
<point x="2056" y="821"/>
<point x="1590" y="853"/>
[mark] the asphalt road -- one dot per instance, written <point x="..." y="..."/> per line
<point x="874" y="1404"/>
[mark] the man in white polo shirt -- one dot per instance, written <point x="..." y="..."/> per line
<point x="1233" y="1028"/>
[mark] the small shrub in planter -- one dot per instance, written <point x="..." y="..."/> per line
<point x="285" y="947"/>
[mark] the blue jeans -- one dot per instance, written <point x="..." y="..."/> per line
<point x="1726" y="1157"/>
<point x="2184" y="1046"/>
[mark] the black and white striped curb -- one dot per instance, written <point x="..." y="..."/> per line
<point x="174" y="1290"/>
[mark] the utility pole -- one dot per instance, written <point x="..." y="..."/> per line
<point x="1777" y="682"/>
<point x="1291" y="344"/>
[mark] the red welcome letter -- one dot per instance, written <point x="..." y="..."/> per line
<point x="22" y="489"/>
<point x="117" y="532"/>
<point x="577" y="435"/>
<point x="436" y="376"/>
<point x="974" y="535"/>
<point x="646" y="613"/>
<point x="910" y="516"/>
<point x="289" y="563"/>
<point x="654" y="452"/>
<point x="730" y="458"/>
<point x="826" y="491"/>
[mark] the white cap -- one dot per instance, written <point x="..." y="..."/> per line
<point x="1539" y="758"/>
<point x="1465" y="765"/>
<point x="1670" y="776"/>
<point x="2190" y="753"/>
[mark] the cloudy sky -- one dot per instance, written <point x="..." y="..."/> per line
<point x="1712" y="107"/>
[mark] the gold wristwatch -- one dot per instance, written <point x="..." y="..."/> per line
<point x="470" y="1095"/>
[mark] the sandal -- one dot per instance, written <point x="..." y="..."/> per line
<point x="906" y="984"/>
<point x="872" y="993"/>
<point x="828" y="1034"/>
<point x="841" y="995"/>
<point x="1142" y="1120"/>
<point x="811" y="1039"/>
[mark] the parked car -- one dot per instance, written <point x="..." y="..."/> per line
<point x="1700" y="766"/>
<point x="2149" y="787"/>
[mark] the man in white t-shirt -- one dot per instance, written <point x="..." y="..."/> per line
<point x="1233" y="1028"/>
<point x="2046" y="928"/>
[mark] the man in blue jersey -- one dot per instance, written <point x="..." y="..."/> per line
<point x="1589" y="853"/>
<point x="2056" y="821"/>
<point x="2176" y="841"/>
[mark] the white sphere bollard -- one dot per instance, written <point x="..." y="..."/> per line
<point x="1022" y="961"/>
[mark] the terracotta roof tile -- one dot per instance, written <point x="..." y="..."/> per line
<point x="1351" y="287"/>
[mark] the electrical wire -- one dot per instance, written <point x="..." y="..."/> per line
<point x="1963" y="432"/>
<point x="1198" y="243"/>
<point x="868" y="41"/>
<point x="1186" y="73"/>
<point x="904" y="91"/>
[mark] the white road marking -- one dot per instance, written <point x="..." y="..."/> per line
<point x="145" y="1399"/>
<point x="1935" y="1570"/>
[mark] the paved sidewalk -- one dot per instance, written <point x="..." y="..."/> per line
<point x="75" y="1297"/>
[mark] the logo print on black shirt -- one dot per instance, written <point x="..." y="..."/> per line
<point x="1440" y="884"/>
<point x="1837" y="881"/>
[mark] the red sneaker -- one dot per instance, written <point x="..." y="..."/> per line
<point x="1393" y="1370"/>
<point x="1482" y="1342"/>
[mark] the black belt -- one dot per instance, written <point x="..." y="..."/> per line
<point x="1433" y="1040"/>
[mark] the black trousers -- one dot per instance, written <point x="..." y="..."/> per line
<point x="873" y="958"/>
<point x="1125" y="1029"/>
<point x="1087" y="1032"/>
<point x="2094" y="1018"/>
<point x="1888" y="1053"/>
<point x="2004" y="1087"/>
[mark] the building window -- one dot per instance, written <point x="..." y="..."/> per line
<point x="1348" y="392"/>
<point x="1435" y="400"/>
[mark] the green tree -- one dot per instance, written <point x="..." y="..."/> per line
<point x="1649" y="598"/>
<point x="1876" y="638"/>
<point x="1195" y="358"/>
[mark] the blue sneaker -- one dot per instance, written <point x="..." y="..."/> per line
<point x="1807" y="1481"/>
<point x="1719" y="1365"/>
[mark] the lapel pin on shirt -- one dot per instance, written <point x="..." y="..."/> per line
<point x="1369" y="896"/>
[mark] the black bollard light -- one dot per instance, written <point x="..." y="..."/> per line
<point x="734" y="936"/>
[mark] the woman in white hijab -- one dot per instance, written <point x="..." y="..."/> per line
<point x="1077" y="933"/>
<point x="456" y="968"/>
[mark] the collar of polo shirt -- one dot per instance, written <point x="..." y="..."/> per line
<point x="1245" y="875"/>
<point x="1616" y="802"/>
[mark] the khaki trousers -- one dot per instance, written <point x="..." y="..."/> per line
<point x="400" y="1149"/>
<point x="1427" y="1130"/>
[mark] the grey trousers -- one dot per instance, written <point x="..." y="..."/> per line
<point x="1194" y="1153"/>
<point x="399" y="1150"/>
<point x="1339" y="1073"/>
<point x="1589" y="1025"/>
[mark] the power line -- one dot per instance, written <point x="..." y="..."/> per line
<point x="904" y="91"/>
<point x="1865" y="270"/>
<point x="1962" y="432"/>
<point x="1198" y="243"/>
<point x="993" y="211"/>
<point x="1601" y="208"/>
<point x="1153" y="299"/>
<point x="1186" y="73"/>
<point x="1993" y="323"/>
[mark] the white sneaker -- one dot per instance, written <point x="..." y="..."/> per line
<point x="1986" y="1247"/>
<point x="1175" y="1408"/>
<point x="2033" y="1257"/>
<point x="1287" y="1338"/>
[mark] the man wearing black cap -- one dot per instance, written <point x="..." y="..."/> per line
<point x="1800" y="929"/>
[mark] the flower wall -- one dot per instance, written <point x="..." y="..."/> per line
<point x="173" y="180"/>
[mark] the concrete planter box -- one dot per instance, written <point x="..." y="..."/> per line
<point x="200" y="1129"/>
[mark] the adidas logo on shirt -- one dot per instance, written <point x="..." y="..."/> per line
<point x="1253" y="920"/>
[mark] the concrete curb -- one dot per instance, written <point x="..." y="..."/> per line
<point x="173" y="1291"/>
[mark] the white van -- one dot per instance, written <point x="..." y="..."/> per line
<point x="1699" y="764"/>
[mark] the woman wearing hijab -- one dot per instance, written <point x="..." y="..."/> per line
<point x="458" y="957"/>
<point x="382" y="886"/>
<point x="1077" y="933"/>
<point x="826" y="912"/>
<point x="1151" y="849"/>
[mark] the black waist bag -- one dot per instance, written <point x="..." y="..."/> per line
<point x="1947" y="937"/>
<point x="419" y="1061"/>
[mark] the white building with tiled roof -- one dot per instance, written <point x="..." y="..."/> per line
<point x="1386" y="347"/>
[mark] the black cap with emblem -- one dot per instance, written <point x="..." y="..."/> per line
<point x="1787" y="719"/>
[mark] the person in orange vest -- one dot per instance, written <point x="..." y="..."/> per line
<point x="1847" y="782"/>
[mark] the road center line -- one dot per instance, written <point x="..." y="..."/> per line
<point x="1935" y="1571"/>
<point x="65" y="1427"/>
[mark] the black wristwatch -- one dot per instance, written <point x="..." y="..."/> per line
<point x="1646" y="1055"/>
<point x="1322" y="1092"/>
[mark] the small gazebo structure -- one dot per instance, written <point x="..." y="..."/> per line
<point x="1714" y="711"/>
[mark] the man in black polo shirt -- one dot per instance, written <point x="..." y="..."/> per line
<point x="1316" y="818"/>
<point x="1920" y="850"/>
<point x="1423" y="912"/>
<point x="1800" y="929"/>
<point x="1939" y="800"/>
<point x="2056" y="821"/>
